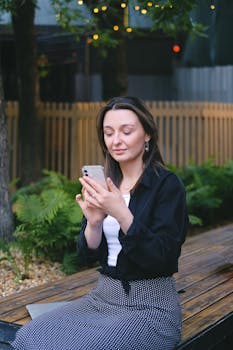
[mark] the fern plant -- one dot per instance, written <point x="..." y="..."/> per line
<point x="209" y="191"/>
<point x="48" y="218"/>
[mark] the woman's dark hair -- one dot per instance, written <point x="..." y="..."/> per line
<point x="152" y="157"/>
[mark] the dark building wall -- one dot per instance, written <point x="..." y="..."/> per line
<point x="217" y="47"/>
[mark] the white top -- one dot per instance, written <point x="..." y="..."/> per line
<point x="111" y="229"/>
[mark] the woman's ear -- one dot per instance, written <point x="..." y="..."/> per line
<point x="147" y="138"/>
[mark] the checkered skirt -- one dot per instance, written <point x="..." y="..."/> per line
<point x="148" y="317"/>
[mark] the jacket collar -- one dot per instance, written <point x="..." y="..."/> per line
<point x="149" y="176"/>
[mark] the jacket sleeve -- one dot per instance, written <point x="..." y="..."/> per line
<point x="87" y="256"/>
<point x="153" y="241"/>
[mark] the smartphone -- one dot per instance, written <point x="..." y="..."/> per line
<point x="95" y="172"/>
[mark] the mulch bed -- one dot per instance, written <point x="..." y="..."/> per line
<point x="12" y="273"/>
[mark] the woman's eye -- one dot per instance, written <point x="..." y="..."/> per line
<point x="108" y="134"/>
<point x="127" y="132"/>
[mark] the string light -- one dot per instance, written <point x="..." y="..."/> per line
<point x="80" y="2"/>
<point x="144" y="11"/>
<point x="212" y="7"/>
<point x="129" y="30"/>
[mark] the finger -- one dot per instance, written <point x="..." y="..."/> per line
<point x="94" y="184"/>
<point x="112" y="187"/>
<point x="84" y="204"/>
<point x="86" y="188"/>
<point x="90" y="190"/>
<point x="78" y="197"/>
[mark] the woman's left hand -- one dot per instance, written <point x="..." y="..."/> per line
<point x="109" y="200"/>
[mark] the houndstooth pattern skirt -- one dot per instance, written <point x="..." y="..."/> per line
<point x="148" y="317"/>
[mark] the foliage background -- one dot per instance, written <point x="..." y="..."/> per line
<point x="48" y="219"/>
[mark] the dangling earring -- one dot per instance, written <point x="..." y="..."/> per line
<point x="146" y="147"/>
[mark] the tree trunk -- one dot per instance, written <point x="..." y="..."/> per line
<point x="115" y="64"/>
<point x="30" y="151"/>
<point x="115" y="72"/>
<point x="6" y="218"/>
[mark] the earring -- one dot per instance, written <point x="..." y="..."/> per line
<point x="147" y="146"/>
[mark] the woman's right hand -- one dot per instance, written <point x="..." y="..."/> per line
<point x="94" y="215"/>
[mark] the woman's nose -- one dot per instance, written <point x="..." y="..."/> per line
<point x="116" y="138"/>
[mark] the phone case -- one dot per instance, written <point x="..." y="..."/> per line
<point x="94" y="171"/>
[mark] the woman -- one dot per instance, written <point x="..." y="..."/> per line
<point x="134" y="227"/>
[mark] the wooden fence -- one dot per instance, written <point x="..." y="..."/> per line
<point x="187" y="131"/>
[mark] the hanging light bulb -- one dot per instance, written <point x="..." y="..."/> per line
<point x="144" y="11"/>
<point x="136" y="7"/>
<point x="129" y="30"/>
<point x="176" y="48"/>
<point x="95" y="36"/>
<point x="96" y="10"/>
<point x="104" y="8"/>
<point x="80" y="2"/>
<point x="116" y="28"/>
<point x="149" y="4"/>
<point x="212" y="7"/>
<point x="123" y="5"/>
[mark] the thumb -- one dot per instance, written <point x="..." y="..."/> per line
<point x="111" y="186"/>
<point x="79" y="200"/>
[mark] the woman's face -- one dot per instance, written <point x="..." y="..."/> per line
<point x="124" y="135"/>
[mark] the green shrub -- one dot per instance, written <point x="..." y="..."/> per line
<point x="47" y="217"/>
<point x="70" y="263"/>
<point x="209" y="191"/>
<point x="8" y="256"/>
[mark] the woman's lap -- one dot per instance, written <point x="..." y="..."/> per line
<point x="90" y="323"/>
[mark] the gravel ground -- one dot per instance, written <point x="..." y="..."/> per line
<point x="11" y="273"/>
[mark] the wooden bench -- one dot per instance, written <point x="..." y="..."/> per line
<point x="204" y="281"/>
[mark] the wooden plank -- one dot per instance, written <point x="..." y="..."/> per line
<point x="207" y="317"/>
<point x="207" y="298"/>
<point x="202" y="283"/>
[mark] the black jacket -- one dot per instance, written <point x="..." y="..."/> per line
<point x="152" y="245"/>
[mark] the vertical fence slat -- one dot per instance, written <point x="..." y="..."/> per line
<point x="66" y="146"/>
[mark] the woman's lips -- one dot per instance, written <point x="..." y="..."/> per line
<point x="119" y="151"/>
